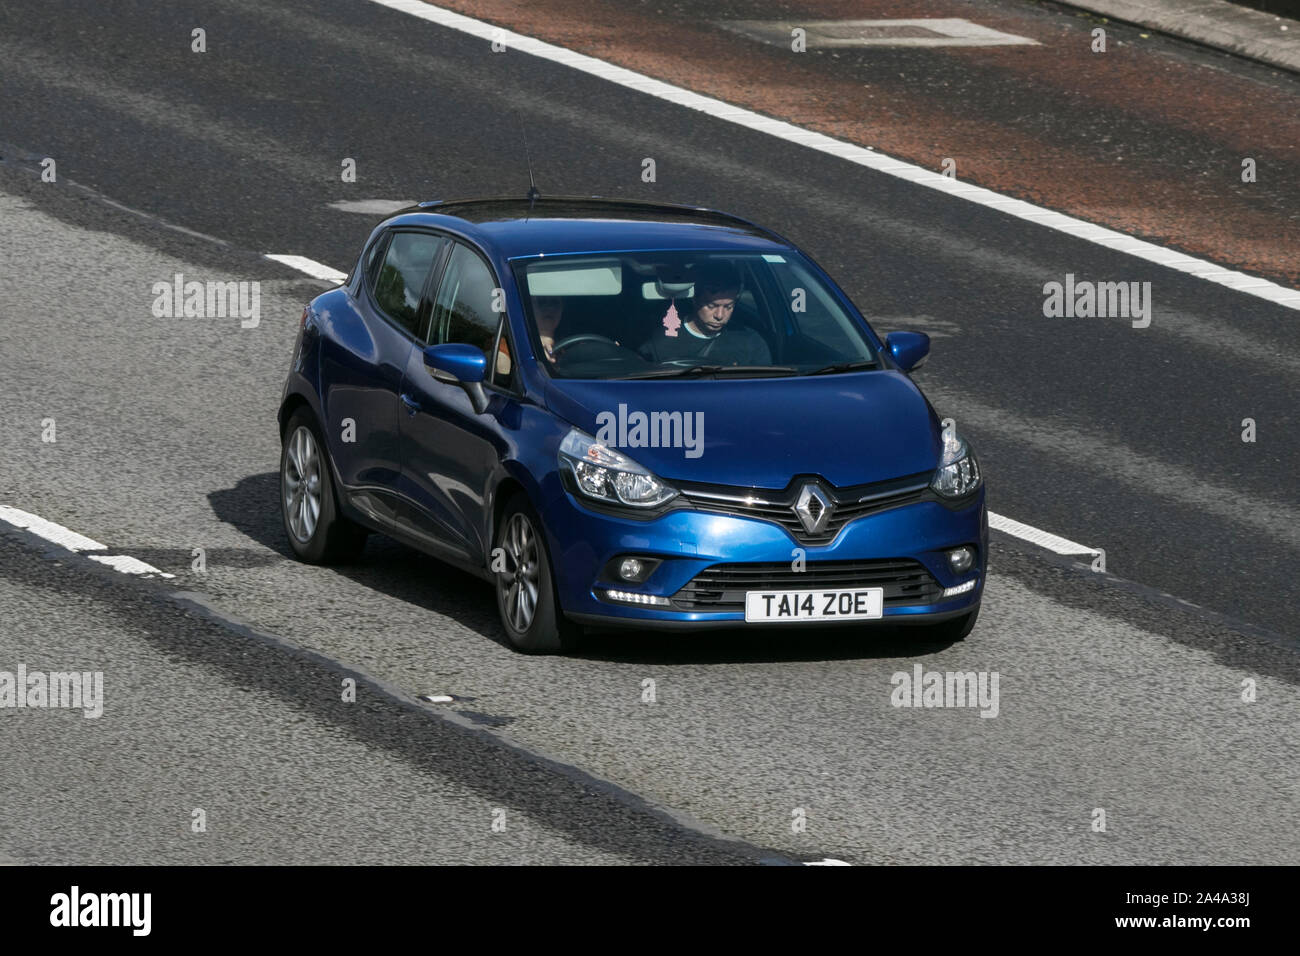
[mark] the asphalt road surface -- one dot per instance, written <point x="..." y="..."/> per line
<point x="1122" y="692"/>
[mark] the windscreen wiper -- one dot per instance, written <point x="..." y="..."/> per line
<point x="844" y="367"/>
<point x="693" y="370"/>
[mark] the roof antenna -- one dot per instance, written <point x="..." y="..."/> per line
<point x="533" y="193"/>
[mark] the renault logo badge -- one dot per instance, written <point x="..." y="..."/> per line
<point x="813" y="508"/>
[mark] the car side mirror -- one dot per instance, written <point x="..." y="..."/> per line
<point x="459" y="364"/>
<point x="909" y="349"/>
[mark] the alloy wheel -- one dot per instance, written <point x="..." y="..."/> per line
<point x="518" y="584"/>
<point x="301" y="485"/>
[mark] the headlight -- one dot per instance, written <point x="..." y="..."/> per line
<point x="959" y="473"/>
<point x="605" y="474"/>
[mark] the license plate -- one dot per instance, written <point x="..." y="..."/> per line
<point x="794" y="606"/>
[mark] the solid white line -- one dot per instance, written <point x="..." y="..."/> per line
<point x="55" y="533"/>
<point x="1044" y="539"/>
<point x="310" y="266"/>
<point x="1078" y="228"/>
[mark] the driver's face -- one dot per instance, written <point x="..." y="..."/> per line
<point x="713" y="315"/>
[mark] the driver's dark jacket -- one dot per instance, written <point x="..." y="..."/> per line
<point x="734" y="345"/>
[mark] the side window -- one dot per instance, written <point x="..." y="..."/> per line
<point x="462" y="311"/>
<point x="401" y="277"/>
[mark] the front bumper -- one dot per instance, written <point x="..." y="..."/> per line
<point x="688" y="543"/>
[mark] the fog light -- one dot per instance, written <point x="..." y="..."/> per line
<point x="961" y="559"/>
<point x="629" y="568"/>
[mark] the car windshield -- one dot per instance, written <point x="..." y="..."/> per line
<point x="687" y="315"/>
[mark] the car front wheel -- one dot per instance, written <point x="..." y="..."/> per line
<point x="526" y="594"/>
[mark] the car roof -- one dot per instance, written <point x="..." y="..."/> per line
<point x="512" y="227"/>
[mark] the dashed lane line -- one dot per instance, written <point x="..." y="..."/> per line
<point x="77" y="543"/>
<point x="311" y="267"/>
<point x="1044" y="539"/>
<point x="72" y="541"/>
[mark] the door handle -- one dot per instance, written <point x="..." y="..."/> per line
<point x="411" y="404"/>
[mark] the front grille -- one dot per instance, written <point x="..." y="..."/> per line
<point x="722" y="587"/>
<point x="847" y="504"/>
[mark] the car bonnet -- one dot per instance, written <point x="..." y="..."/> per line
<point x="850" y="428"/>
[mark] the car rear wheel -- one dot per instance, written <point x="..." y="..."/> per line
<point x="317" y="531"/>
<point x="526" y="596"/>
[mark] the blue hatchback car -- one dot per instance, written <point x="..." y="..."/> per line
<point x="627" y="414"/>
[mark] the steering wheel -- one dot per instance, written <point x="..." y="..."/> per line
<point x="584" y="337"/>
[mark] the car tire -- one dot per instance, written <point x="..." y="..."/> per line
<point x="307" y="486"/>
<point x="527" y="599"/>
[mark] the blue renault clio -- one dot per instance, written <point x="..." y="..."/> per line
<point x="626" y="414"/>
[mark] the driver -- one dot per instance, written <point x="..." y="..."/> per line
<point x="704" y="334"/>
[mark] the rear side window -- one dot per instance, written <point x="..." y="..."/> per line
<point x="373" y="257"/>
<point x="407" y="261"/>
<point x="464" y="308"/>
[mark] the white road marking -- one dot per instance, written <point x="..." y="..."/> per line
<point x="127" y="564"/>
<point x="927" y="31"/>
<point x="71" y="541"/>
<point x="371" y="207"/>
<point x="1044" y="539"/>
<point x="54" y="533"/>
<point x="310" y="266"/>
<point x="826" y="862"/>
<point x="863" y="156"/>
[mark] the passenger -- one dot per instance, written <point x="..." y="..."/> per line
<point x="548" y="310"/>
